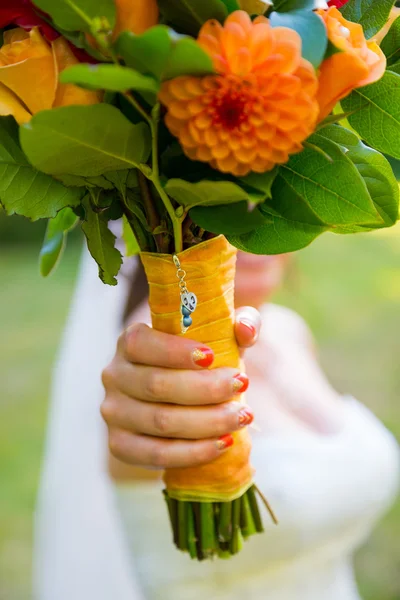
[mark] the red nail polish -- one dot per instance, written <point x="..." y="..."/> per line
<point x="249" y="326"/>
<point x="246" y="417"/>
<point x="224" y="442"/>
<point x="203" y="357"/>
<point x="240" y="383"/>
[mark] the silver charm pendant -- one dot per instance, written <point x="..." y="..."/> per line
<point x="188" y="299"/>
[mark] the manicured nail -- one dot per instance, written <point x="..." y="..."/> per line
<point x="203" y="357"/>
<point x="245" y="417"/>
<point x="240" y="383"/>
<point x="249" y="326"/>
<point x="224" y="442"/>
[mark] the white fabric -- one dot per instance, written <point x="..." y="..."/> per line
<point x="328" y="491"/>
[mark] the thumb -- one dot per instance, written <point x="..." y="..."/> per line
<point x="247" y="326"/>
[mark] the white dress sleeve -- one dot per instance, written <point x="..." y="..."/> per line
<point x="80" y="551"/>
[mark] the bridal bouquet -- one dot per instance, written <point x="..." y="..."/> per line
<point x="203" y="126"/>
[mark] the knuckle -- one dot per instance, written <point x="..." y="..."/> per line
<point x="117" y="443"/>
<point x="132" y="338"/>
<point x="107" y="410"/>
<point x="216" y="390"/>
<point x="201" y="453"/>
<point x="160" y="456"/>
<point x="162" y="421"/>
<point x="108" y="377"/>
<point x="156" y="385"/>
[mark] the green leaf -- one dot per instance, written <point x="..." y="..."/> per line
<point x="228" y="219"/>
<point x="286" y="203"/>
<point x="90" y="182"/>
<point x="24" y="190"/>
<point x="189" y="15"/>
<point x="334" y="191"/>
<point x="374" y="169"/>
<point x="206" y="193"/>
<point x="231" y="5"/>
<point x="377" y="113"/>
<point x="101" y="242"/>
<point x="260" y="182"/>
<point x="311" y="29"/>
<point x="186" y="57"/>
<point x="290" y="5"/>
<point x="77" y="14"/>
<point x="391" y="43"/>
<point x="55" y="240"/>
<point x="371" y="14"/>
<point x="84" y="140"/>
<point x="147" y="52"/>
<point x="108" y="77"/>
<point x="395" y="164"/>
<point x="277" y="237"/>
<point x="131" y="246"/>
<point x="395" y="68"/>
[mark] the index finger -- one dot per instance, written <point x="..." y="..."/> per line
<point x="140" y="344"/>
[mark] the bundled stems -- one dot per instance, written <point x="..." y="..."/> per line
<point x="208" y="529"/>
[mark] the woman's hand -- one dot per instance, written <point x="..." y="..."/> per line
<point x="163" y="407"/>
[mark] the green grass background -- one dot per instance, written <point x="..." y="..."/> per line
<point x="347" y="288"/>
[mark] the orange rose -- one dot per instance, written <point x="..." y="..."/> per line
<point x="135" y="15"/>
<point x="359" y="62"/>
<point x="29" y="68"/>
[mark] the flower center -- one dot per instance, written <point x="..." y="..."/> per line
<point x="229" y="109"/>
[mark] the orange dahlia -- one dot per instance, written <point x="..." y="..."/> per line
<point x="258" y="108"/>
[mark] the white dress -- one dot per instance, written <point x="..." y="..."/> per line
<point x="96" y="541"/>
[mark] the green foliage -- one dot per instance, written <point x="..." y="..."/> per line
<point x="78" y="14"/>
<point x="371" y="14"/>
<point x="311" y="30"/>
<point x="208" y="193"/>
<point x="229" y="219"/>
<point x="373" y="168"/>
<point x="101" y="241"/>
<point x="84" y="140"/>
<point x="391" y="43"/>
<point x="24" y="190"/>
<point x="231" y="5"/>
<point x="189" y="15"/>
<point x="292" y="5"/>
<point x="334" y="191"/>
<point x="108" y="77"/>
<point x="185" y="57"/>
<point x="131" y="246"/>
<point x="163" y="54"/>
<point x="377" y="113"/>
<point x="277" y="237"/>
<point x="147" y="52"/>
<point x="55" y="240"/>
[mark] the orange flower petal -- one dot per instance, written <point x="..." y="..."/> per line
<point x="68" y="94"/>
<point x="33" y="80"/>
<point x="135" y="15"/>
<point x="10" y="105"/>
<point x="338" y="76"/>
<point x="257" y="110"/>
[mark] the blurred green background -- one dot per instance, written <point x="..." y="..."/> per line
<point x="347" y="288"/>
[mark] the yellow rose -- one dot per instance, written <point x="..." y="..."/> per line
<point x="29" y="69"/>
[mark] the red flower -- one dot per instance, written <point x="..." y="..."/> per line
<point x="22" y="13"/>
<point x="337" y="3"/>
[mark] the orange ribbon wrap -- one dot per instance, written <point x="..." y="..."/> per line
<point x="210" y="273"/>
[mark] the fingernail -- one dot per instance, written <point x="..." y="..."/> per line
<point x="240" y="383"/>
<point x="249" y="326"/>
<point x="224" y="442"/>
<point x="245" y="417"/>
<point x="203" y="357"/>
